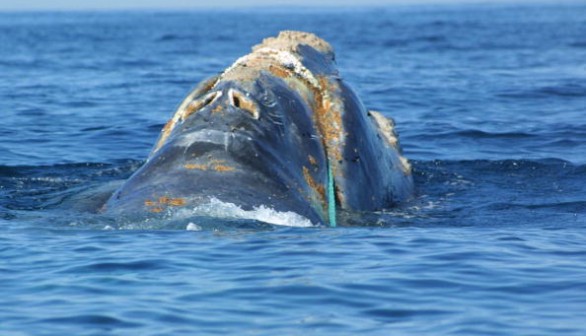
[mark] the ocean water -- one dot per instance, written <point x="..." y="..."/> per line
<point x="490" y="104"/>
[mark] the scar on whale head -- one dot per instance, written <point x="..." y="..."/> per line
<point x="279" y="128"/>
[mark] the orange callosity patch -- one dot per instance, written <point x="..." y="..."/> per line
<point x="176" y="201"/>
<point x="329" y="118"/>
<point x="317" y="188"/>
<point x="195" y="166"/>
<point x="219" y="108"/>
<point x="163" y="202"/>
<point x="279" y="71"/>
<point x="222" y="168"/>
<point x="216" y="165"/>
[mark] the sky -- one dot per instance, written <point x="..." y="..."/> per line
<point x="180" y="4"/>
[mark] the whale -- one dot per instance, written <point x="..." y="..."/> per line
<point x="278" y="129"/>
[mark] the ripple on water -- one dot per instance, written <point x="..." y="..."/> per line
<point x="489" y="103"/>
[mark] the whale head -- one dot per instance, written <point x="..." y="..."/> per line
<point x="277" y="128"/>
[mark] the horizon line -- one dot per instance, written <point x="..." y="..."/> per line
<point x="287" y="4"/>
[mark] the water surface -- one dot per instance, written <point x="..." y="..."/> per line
<point x="489" y="103"/>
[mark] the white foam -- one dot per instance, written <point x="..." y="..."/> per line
<point x="217" y="208"/>
<point x="193" y="227"/>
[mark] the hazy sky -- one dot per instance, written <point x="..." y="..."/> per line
<point x="177" y="4"/>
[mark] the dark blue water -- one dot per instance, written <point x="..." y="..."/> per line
<point x="490" y="103"/>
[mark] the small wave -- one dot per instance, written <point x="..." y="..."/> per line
<point x="138" y="63"/>
<point x="568" y="207"/>
<point x="438" y="41"/>
<point x="60" y="169"/>
<point x="117" y="267"/>
<point x="91" y="320"/>
<point x="578" y="44"/>
<point x="169" y="37"/>
<point x="479" y="134"/>
<point x="175" y="37"/>
<point x="566" y="90"/>
<point x="547" y="166"/>
<point x="393" y="315"/>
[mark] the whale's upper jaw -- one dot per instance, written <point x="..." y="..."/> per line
<point x="257" y="128"/>
<point x="213" y="116"/>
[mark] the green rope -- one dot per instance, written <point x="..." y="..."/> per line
<point x="331" y="197"/>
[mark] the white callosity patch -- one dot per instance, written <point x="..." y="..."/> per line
<point x="189" y="104"/>
<point x="217" y="208"/>
<point x="386" y="128"/>
<point x="285" y="58"/>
